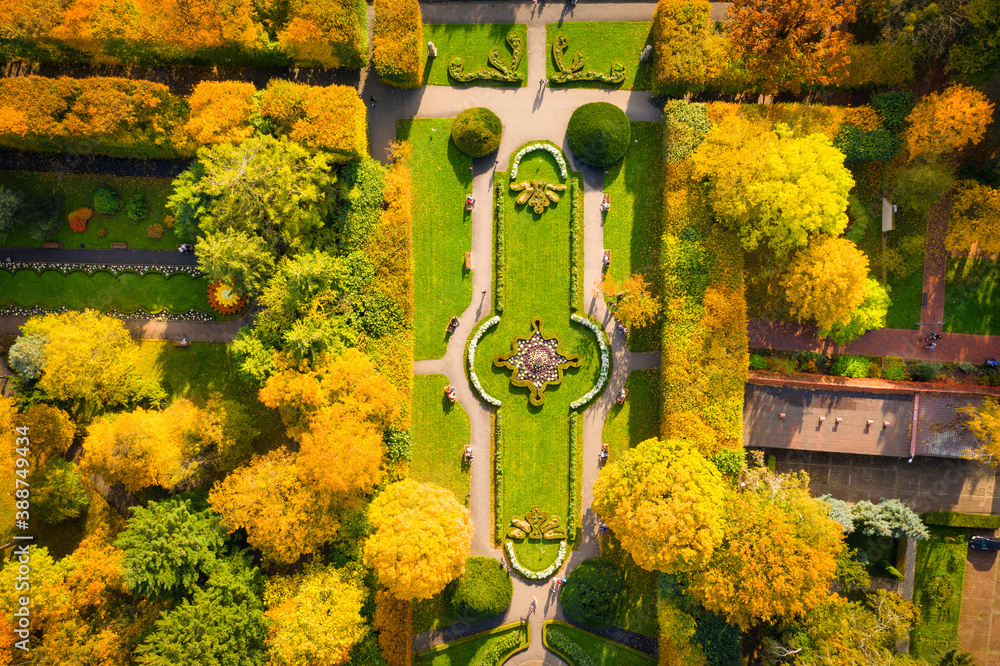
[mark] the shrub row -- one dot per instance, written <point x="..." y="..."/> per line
<point x="574" y="472"/>
<point x="501" y="523"/>
<point x="878" y="65"/>
<point x="956" y="519"/>
<point x="574" y="244"/>
<point x="501" y="256"/>
<point x="323" y="33"/>
<point x="704" y="355"/>
<point x="398" y="43"/>
<point x="134" y="118"/>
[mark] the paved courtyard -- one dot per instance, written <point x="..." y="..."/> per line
<point x="979" y="628"/>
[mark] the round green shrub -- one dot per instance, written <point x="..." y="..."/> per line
<point x="477" y="131"/>
<point x="106" y="202"/>
<point x="482" y="592"/>
<point x="599" y="134"/>
<point x="593" y="593"/>
<point x="137" y="209"/>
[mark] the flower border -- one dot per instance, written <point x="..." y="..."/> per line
<point x="531" y="147"/>
<point x="473" y="343"/>
<point x="90" y="269"/>
<point x="531" y="574"/>
<point x="142" y="315"/>
<point x="602" y="379"/>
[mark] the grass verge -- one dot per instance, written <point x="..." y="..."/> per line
<point x="440" y="432"/>
<point x="602" y="44"/>
<point x="638" y="610"/>
<point x="972" y="288"/>
<point x="937" y="591"/>
<point x="474" y="649"/>
<point x="442" y="231"/>
<point x="78" y="190"/>
<point x="126" y="292"/>
<point x="473" y="42"/>
<point x="600" y="650"/>
<point x="638" y="419"/>
<point x="633" y="226"/>
<point x="432" y="613"/>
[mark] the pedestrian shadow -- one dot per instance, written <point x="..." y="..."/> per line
<point x="539" y="96"/>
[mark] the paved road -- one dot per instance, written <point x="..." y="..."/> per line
<point x="92" y="256"/>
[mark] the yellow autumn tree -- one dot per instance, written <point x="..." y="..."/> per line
<point x="634" y="305"/>
<point x="220" y="112"/>
<point x="663" y="500"/>
<point x="319" y="623"/>
<point x="327" y="33"/>
<point x="945" y="121"/>
<point x="975" y="218"/>
<point x="50" y="431"/>
<point x="29" y="19"/>
<point x="778" y="555"/>
<point x="826" y="281"/>
<point x="341" y="454"/>
<point x="284" y="516"/>
<point x="983" y="421"/>
<point x="421" y="537"/>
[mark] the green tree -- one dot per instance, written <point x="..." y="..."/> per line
<point x="663" y="499"/>
<point x="921" y="184"/>
<point x="169" y="548"/>
<point x="977" y="53"/>
<point x="266" y="186"/>
<point x="241" y="260"/>
<point x="825" y="282"/>
<point x="27" y="356"/>
<point x="10" y="202"/>
<point x="889" y="518"/>
<point x="57" y="492"/>
<point x="772" y="188"/>
<point x="867" y="316"/>
<point x="482" y="591"/>
<point x="221" y="625"/>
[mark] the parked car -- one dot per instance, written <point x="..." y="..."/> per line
<point x="984" y="543"/>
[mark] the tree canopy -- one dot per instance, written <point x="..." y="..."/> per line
<point x="663" y="500"/>
<point x="984" y="422"/>
<point x="975" y="218"/>
<point x="421" y="537"/>
<point x="240" y="259"/>
<point x="826" y="281"/>
<point x="945" y="121"/>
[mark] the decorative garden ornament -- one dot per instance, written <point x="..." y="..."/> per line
<point x="537" y="193"/>
<point x="537" y="362"/>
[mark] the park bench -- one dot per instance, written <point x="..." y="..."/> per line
<point x="468" y="261"/>
<point x="606" y="203"/>
<point x="604" y="452"/>
<point x="183" y="342"/>
<point x="468" y="453"/>
<point x="51" y="245"/>
<point x="119" y="246"/>
<point x="622" y="396"/>
<point x="607" y="258"/>
<point x="449" y="392"/>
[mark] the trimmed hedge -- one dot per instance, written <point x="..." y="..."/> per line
<point x="574" y="243"/>
<point x="477" y="131"/>
<point x="957" y="519"/>
<point x="599" y="134"/>
<point x="500" y="523"/>
<point x="685" y="128"/>
<point x="574" y="473"/>
<point x="398" y="43"/>
<point x="593" y="593"/>
<point x="327" y="33"/>
<point x="483" y="591"/>
<point x="866" y="146"/>
<point x="328" y="118"/>
<point x="501" y="255"/>
<point x="893" y="108"/>
<point x="680" y="29"/>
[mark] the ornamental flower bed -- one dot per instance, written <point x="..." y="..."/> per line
<point x="117" y="314"/>
<point x="90" y="269"/>
<point x="490" y="323"/>
<point x="224" y="299"/>
<point x="537" y="362"/>
<point x="555" y="152"/>
<point x="535" y="575"/>
<point x="602" y="379"/>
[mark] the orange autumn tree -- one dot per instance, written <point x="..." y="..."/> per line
<point x="635" y="305"/>
<point x="331" y="118"/>
<point x="946" y="121"/>
<point x="221" y="112"/>
<point x="778" y="556"/>
<point x="283" y="515"/>
<point x="318" y="623"/>
<point x="420" y="539"/>
<point x="786" y="44"/>
<point x="327" y="33"/>
<point x="398" y="48"/>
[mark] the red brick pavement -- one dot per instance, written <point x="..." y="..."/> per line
<point x="905" y="343"/>
<point x="935" y="267"/>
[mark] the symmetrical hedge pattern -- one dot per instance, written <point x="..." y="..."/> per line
<point x="500" y="71"/>
<point x="573" y="70"/>
<point x="135" y="118"/>
<point x="398" y="43"/>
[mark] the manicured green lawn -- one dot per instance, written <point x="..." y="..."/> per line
<point x="600" y="650"/>
<point x="633" y="226"/>
<point x="472" y="648"/>
<point x="103" y="291"/>
<point x="638" y="609"/>
<point x="442" y="232"/>
<point x="639" y="418"/>
<point x="937" y="591"/>
<point x="440" y="432"/>
<point x="972" y="290"/>
<point x="603" y="44"/>
<point x="473" y="42"/>
<point x="535" y="452"/>
<point x="78" y="190"/>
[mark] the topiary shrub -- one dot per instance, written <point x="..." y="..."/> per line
<point x="137" y="209"/>
<point x="758" y="362"/>
<point x="477" y="131"/>
<point x="593" y="593"/>
<point x="483" y="591"/>
<point x="850" y="366"/>
<point x="926" y="371"/>
<point x="599" y="134"/>
<point x="106" y="202"/>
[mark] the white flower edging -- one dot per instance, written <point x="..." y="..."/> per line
<point x="490" y="323"/>
<point x="605" y="362"/>
<point x="556" y="153"/>
<point x="536" y="575"/>
<point x="114" y="269"/>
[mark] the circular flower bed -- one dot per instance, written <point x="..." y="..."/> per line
<point x="537" y="362"/>
<point x="224" y="299"/>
